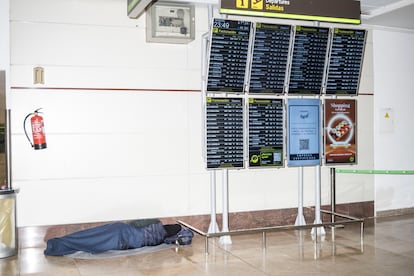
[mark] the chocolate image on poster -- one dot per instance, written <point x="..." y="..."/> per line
<point x="340" y="131"/>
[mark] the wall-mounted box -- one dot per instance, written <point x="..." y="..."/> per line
<point x="169" y="22"/>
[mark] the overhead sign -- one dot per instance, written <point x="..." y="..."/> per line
<point x="340" y="131"/>
<point x="136" y="7"/>
<point x="340" y="11"/>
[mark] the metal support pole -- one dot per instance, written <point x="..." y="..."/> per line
<point x="213" y="228"/>
<point x="8" y="151"/>
<point x="362" y="237"/>
<point x="333" y="194"/>
<point x="318" y="230"/>
<point x="225" y="227"/>
<point x="206" y="245"/>
<point x="300" y="219"/>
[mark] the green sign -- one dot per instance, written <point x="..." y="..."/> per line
<point x="375" y="171"/>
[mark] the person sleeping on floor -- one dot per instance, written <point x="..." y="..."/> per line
<point x="119" y="236"/>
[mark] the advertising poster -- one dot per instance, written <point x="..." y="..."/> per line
<point x="340" y="131"/>
<point x="303" y="132"/>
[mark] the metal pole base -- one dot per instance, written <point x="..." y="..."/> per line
<point x="213" y="228"/>
<point x="300" y="220"/>
<point x="318" y="231"/>
<point x="337" y="226"/>
<point x="225" y="240"/>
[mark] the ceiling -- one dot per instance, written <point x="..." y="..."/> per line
<point x="388" y="13"/>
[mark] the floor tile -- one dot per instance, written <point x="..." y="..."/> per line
<point x="387" y="248"/>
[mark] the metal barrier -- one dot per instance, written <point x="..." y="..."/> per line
<point x="265" y="230"/>
<point x="333" y="213"/>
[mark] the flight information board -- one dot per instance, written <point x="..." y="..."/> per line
<point x="228" y="56"/>
<point x="308" y="60"/>
<point x="345" y="63"/>
<point x="224" y="132"/>
<point x="270" y="57"/>
<point x="265" y="132"/>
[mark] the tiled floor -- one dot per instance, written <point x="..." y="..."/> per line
<point x="387" y="249"/>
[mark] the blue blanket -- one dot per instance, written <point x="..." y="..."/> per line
<point x="114" y="236"/>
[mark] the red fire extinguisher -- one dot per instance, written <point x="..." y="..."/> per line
<point x="38" y="130"/>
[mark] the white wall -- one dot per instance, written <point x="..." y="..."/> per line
<point x="116" y="154"/>
<point x="394" y="93"/>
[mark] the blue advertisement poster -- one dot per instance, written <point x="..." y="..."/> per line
<point x="303" y="132"/>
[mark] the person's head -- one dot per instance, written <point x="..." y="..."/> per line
<point x="172" y="229"/>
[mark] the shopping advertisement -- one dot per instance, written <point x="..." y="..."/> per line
<point x="340" y="131"/>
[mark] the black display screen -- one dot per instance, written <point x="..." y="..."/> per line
<point x="270" y="56"/>
<point x="345" y="62"/>
<point x="229" y="47"/>
<point x="308" y="61"/>
<point x="265" y="132"/>
<point x="224" y="132"/>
